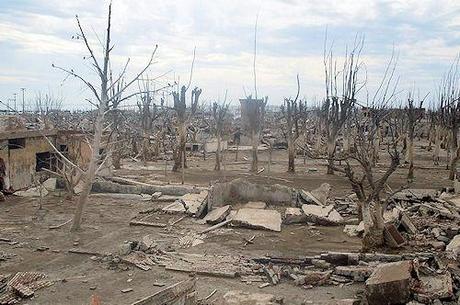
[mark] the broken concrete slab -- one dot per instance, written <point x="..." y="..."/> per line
<point x="307" y="197"/>
<point x="50" y="184"/>
<point x="322" y="215"/>
<point x="294" y="215"/>
<point x="218" y="214"/>
<point x="32" y="192"/>
<point x="255" y="205"/>
<point x="246" y="298"/>
<point x="322" y="193"/>
<point x="354" y="230"/>
<point x="416" y="194"/>
<point x="258" y="219"/>
<point x="390" y="283"/>
<point x="191" y="204"/>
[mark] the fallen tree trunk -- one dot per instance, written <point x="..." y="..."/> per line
<point x="175" y="190"/>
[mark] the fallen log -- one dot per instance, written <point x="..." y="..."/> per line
<point x="85" y="252"/>
<point x="147" y="224"/>
<point x="221" y="224"/>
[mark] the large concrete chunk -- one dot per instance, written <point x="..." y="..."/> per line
<point x="218" y="215"/>
<point x="258" y="219"/>
<point x="322" y="193"/>
<point x="453" y="248"/>
<point x="294" y="215"/>
<point x="390" y="284"/>
<point x="246" y="298"/>
<point x="322" y="215"/>
<point x="192" y="204"/>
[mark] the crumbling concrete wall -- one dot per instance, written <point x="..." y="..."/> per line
<point x="21" y="163"/>
<point x="117" y="188"/>
<point x="241" y="190"/>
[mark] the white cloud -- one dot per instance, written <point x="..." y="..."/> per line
<point x="289" y="39"/>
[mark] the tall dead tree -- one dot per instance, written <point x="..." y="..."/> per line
<point x="253" y="113"/>
<point x="414" y="114"/>
<point x="294" y="114"/>
<point x="219" y="113"/>
<point x="45" y="105"/>
<point x="340" y="95"/>
<point x="364" y="182"/>
<point x="449" y="97"/>
<point x="104" y="98"/>
<point x="149" y="112"/>
<point x="183" y="116"/>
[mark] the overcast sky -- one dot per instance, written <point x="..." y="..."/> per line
<point x="35" y="34"/>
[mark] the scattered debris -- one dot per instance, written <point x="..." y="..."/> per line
<point x="21" y="285"/>
<point x="241" y="298"/>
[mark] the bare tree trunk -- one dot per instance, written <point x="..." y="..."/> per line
<point x="180" y="149"/>
<point x="145" y="146"/>
<point x="255" y="144"/>
<point x="183" y="167"/>
<point x="116" y="155"/>
<point x="92" y="167"/>
<point x="437" y="145"/>
<point x="373" y="226"/>
<point x="291" y="155"/>
<point x="330" y="155"/>
<point x="218" y="159"/>
<point x="455" y="154"/>
<point x="410" y="157"/>
<point x="236" y="154"/>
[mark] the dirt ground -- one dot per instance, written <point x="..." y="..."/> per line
<point x="106" y="227"/>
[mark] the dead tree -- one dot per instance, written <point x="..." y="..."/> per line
<point x="449" y="97"/>
<point x="413" y="114"/>
<point x="293" y="112"/>
<point x="149" y="112"/>
<point x="104" y="98"/>
<point x="183" y="116"/>
<point x="253" y="113"/>
<point x="364" y="182"/>
<point x="45" y="105"/>
<point x="219" y="113"/>
<point x="340" y="97"/>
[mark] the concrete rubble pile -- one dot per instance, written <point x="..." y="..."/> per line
<point x="425" y="218"/>
<point x="21" y="285"/>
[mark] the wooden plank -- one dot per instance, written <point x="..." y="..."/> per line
<point x="178" y="292"/>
